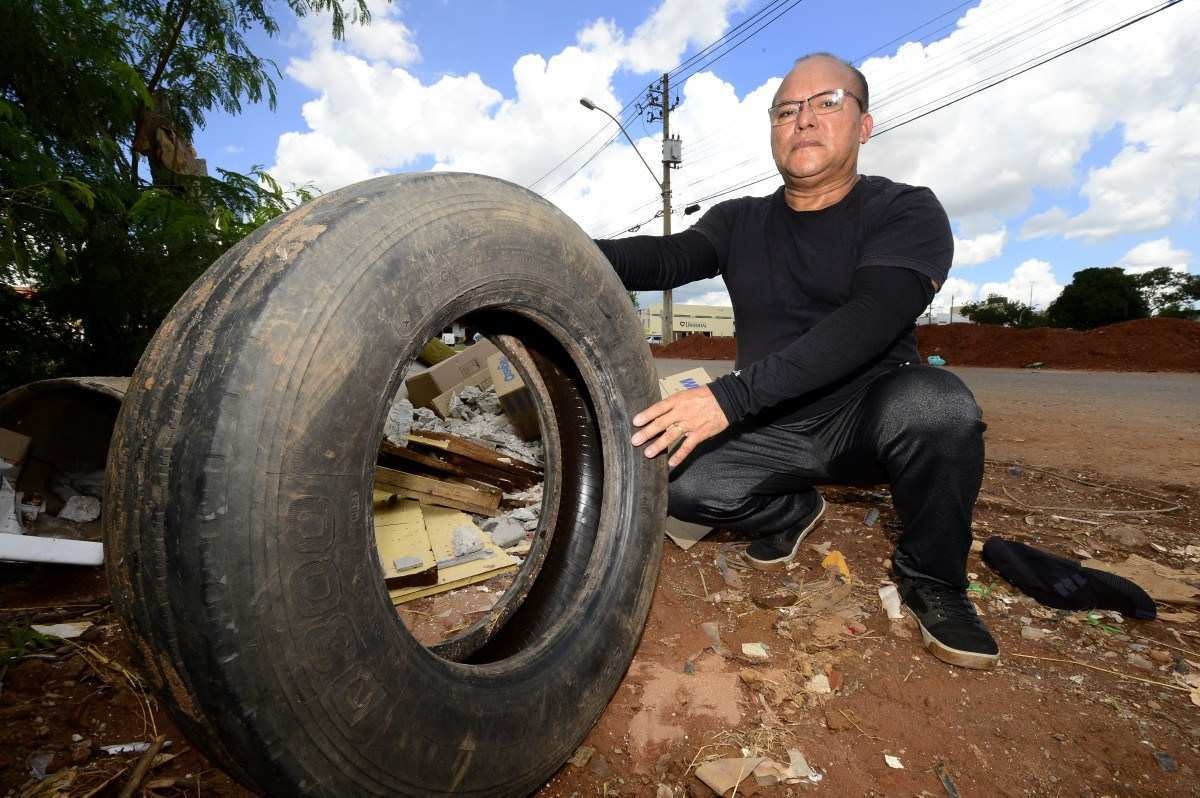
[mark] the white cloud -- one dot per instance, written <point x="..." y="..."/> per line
<point x="715" y="298"/>
<point x="1033" y="278"/>
<point x="985" y="156"/>
<point x="1153" y="181"/>
<point x="956" y="291"/>
<point x="367" y="104"/>
<point x="980" y="249"/>
<point x="659" y="42"/>
<point x="1153" y="255"/>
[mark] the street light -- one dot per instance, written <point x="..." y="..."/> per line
<point x="668" y="315"/>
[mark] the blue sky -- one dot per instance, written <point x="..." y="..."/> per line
<point x="1082" y="162"/>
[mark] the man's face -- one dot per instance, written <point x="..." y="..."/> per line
<point x="811" y="148"/>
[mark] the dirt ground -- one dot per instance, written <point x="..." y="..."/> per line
<point x="1080" y="705"/>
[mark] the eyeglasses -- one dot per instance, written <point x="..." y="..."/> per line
<point x="826" y="102"/>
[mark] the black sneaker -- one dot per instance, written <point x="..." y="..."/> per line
<point x="949" y="626"/>
<point x="773" y="552"/>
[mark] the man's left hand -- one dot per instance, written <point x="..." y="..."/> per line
<point x="693" y="415"/>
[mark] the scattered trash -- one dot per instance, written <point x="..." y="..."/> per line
<point x="871" y="517"/>
<point x="723" y="775"/>
<point x="837" y="561"/>
<point x="769" y="773"/>
<point x="80" y="508"/>
<point x="799" y="769"/>
<point x="1015" y="471"/>
<point x="821" y="548"/>
<point x="756" y="652"/>
<point x="1166" y="762"/>
<point x="1037" y="364"/>
<point x="944" y="777"/>
<point x="506" y="531"/>
<point x="893" y="762"/>
<point x="889" y="597"/>
<point x="38" y="763"/>
<point x="1034" y="633"/>
<point x="31" y="508"/>
<point x="582" y="755"/>
<point x="818" y="685"/>
<point x="713" y="633"/>
<point x="1162" y="582"/>
<point x="67" y="631"/>
<point x="935" y="360"/>
<point x="731" y="577"/>
<point x="128" y="748"/>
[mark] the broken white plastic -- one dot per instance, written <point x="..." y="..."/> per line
<point x="27" y="548"/>
<point x="890" y="598"/>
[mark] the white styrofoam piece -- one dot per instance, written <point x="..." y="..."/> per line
<point x="27" y="548"/>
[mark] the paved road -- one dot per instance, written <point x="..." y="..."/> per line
<point x="1143" y="427"/>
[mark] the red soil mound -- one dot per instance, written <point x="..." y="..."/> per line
<point x="1144" y="345"/>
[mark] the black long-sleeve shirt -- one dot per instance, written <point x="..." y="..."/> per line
<point x="824" y="301"/>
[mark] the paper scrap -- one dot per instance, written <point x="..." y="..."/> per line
<point x="893" y="762"/>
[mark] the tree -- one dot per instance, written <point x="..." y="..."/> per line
<point x="1096" y="297"/>
<point x="1001" y="310"/>
<point x="106" y="213"/>
<point x="1169" y="292"/>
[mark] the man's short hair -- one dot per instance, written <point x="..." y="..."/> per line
<point x="863" y="92"/>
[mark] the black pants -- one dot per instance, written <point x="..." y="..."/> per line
<point x="917" y="429"/>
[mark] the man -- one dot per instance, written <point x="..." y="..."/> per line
<point x="826" y="277"/>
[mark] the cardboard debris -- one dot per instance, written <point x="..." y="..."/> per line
<point x="403" y="543"/>
<point x="515" y="399"/>
<point x="440" y="404"/>
<point x="685" y="535"/>
<point x="14" y="447"/>
<point x="481" y="500"/>
<point x="722" y="775"/>
<point x="440" y="524"/>
<point x="424" y="387"/>
<point x="1162" y="582"/>
<point x="683" y="381"/>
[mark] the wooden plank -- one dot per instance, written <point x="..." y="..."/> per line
<point x="473" y="451"/>
<point x="477" y="461"/>
<point x="440" y="524"/>
<point x="429" y="461"/>
<point x="428" y="490"/>
<point x="400" y="532"/>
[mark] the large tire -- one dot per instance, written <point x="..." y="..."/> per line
<point x="238" y="527"/>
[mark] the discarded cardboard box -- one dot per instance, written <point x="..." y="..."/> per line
<point x="423" y="388"/>
<point x="441" y="402"/>
<point x="515" y="399"/>
<point x="14" y="447"/>
<point x="683" y="381"/>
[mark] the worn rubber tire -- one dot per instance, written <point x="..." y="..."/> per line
<point x="238" y="524"/>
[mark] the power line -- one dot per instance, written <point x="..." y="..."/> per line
<point x="742" y="41"/>
<point x="904" y="36"/>
<point x="1026" y="66"/>
<point x="767" y="8"/>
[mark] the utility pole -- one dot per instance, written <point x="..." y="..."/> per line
<point x="668" y="300"/>
<point x="659" y="105"/>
